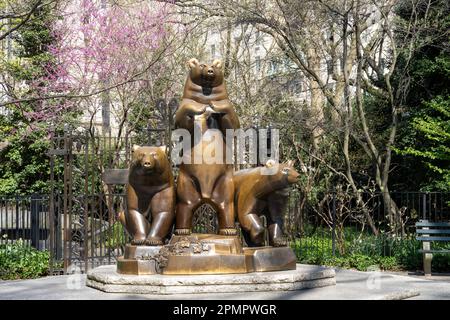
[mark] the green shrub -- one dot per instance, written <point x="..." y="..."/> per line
<point x="341" y="262"/>
<point x="366" y="250"/>
<point x="388" y="263"/>
<point x="115" y="236"/>
<point x="440" y="262"/>
<point x="361" y="262"/>
<point x="18" y="261"/>
<point x="407" y="254"/>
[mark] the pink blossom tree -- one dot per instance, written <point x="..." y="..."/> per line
<point x="103" y="54"/>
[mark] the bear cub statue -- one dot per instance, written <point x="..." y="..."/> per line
<point x="150" y="196"/>
<point x="258" y="194"/>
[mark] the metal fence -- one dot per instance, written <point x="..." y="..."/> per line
<point x="82" y="238"/>
<point x="25" y="218"/>
<point x="334" y="224"/>
<point x="327" y="225"/>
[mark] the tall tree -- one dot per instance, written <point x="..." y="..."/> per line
<point x="425" y="135"/>
<point x="356" y="40"/>
<point x="23" y="162"/>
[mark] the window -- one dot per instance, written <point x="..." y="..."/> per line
<point x="257" y="64"/>
<point x="4" y="111"/>
<point x="213" y="50"/>
<point x="273" y="67"/>
<point x="330" y="35"/>
<point x="257" y="38"/>
<point x="287" y="64"/>
<point x="295" y="87"/>
<point x="330" y="66"/>
<point x="382" y="64"/>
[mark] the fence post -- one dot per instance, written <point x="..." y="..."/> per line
<point x="18" y="219"/>
<point x="51" y="212"/>
<point x="333" y="235"/>
<point x="424" y="206"/>
<point x="34" y="221"/>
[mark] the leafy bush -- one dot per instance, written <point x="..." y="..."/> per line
<point x="115" y="236"/>
<point x="19" y="261"/>
<point x="388" y="263"/>
<point x="366" y="251"/>
<point x="361" y="262"/>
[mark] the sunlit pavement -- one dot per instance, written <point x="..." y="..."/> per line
<point x="351" y="285"/>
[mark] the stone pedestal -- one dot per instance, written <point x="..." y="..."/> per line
<point x="107" y="279"/>
<point x="204" y="254"/>
<point x="205" y="263"/>
<point x="138" y="260"/>
<point x="271" y="259"/>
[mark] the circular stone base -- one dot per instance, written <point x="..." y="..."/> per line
<point x="106" y="278"/>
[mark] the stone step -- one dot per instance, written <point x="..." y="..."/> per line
<point x="107" y="279"/>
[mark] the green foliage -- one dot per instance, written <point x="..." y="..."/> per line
<point x="388" y="263"/>
<point x="115" y="236"/>
<point x="30" y="46"/>
<point x="432" y="124"/>
<point x="24" y="165"/>
<point x="424" y="131"/>
<point x="19" y="261"/>
<point x="368" y="251"/>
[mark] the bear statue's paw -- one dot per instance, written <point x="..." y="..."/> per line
<point x="279" y="242"/>
<point x="257" y="235"/>
<point x="228" y="232"/>
<point x="152" y="241"/>
<point x="182" y="232"/>
<point x="138" y="242"/>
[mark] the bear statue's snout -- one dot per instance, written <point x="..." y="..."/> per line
<point x="293" y="177"/>
<point x="148" y="162"/>
<point x="209" y="72"/>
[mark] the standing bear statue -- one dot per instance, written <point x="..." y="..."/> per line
<point x="205" y="109"/>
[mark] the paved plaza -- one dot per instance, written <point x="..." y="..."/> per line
<point x="351" y="285"/>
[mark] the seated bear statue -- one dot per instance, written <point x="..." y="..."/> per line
<point x="150" y="196"/>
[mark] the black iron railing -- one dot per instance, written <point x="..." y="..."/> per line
<point x="333" y="223"/>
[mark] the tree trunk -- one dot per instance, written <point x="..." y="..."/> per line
<point x="392" y="211"/>
<point x="316" y="116"/>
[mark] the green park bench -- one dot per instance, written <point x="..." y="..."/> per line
<point x="429" y="232"/>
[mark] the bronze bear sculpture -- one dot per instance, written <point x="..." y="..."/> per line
<point x="150" y="196"/>
<point x="258" y="194"/>
<point x="205" y="103"/>
<point x="205" y="87"/>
